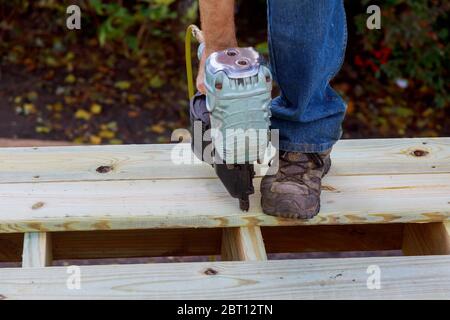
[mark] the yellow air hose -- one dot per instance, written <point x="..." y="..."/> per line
<point x="191" y="30"/>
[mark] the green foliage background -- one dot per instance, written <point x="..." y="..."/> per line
<point x="416" y="33"/>
<point x="396" y="80"/>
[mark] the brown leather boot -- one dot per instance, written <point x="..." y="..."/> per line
<point x="294" y="191"/>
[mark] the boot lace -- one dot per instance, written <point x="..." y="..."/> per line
<point x="300" y="165"/>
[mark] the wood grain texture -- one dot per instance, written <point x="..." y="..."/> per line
<point x="401" y="278"/>
<point x="427" y="239"/>
<point x="137" y="162"/>
<point x="32" y="143"/>
<point x="207" y="241"/>
<point x="37" y="250"/>
<point x="59" y="189"/>
<point x="11" y="247"/>
<point x="136" y="243"/>
<point x="363" y="237"/>
<point x="196" y="203"/>
<point x="243" y="244"/>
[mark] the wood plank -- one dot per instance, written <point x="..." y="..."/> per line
<point x="427" y="239"/>
<point x="190" y="242"/>
<point x="363" y="237"/>
<point x="243" y="244"/>
<point x="136" y="243"/>
<point x="401" y="278"/>
<point x="391" y="156"/>
<point x="5" y="142"/>
<point x="137" y="162"/>
<point x="11" y="247"/>
<point x="197" y="203"/>
<point x="207" y="241"/>
<point x="37" y="250"/>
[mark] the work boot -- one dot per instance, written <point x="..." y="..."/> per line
<point x="294" y="191"/>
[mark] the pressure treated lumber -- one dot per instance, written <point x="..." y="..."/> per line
<point x="37" y="250"/>
<point x="136" y="243"/>
<point x="11" y="247"/>
<point x="243" y="244"/>
<point x="138" y="187"/>
<point x="427" y="239"/>
<point x="137" y="162"/>
<point x="5" y="142"/>
<point x="197" y="203"/>
<point x="207" y="241"/>
<point x="361" y="237"/>
<point x="425" y="277"/>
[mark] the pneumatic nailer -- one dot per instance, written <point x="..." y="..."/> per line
<point x="234" y="115"/>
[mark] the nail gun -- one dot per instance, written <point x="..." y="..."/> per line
<point x="234" y="114"/>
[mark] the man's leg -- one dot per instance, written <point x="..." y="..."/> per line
<point x="307" y="41"/>
<point x="307" y="45"/>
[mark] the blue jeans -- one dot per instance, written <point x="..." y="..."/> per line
<point x="307" y="41"/>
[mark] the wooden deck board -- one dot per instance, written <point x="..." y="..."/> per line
<point x="401" y="278"/>
<point x="59" y="189"/>
<point x="103" y="205"/>
<point x="111" y="190"/>
<point x="141" y="204"/>
<point x="137" y="162"/>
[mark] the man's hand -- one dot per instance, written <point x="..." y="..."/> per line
<point x="201" y="74"/>
<point x="217" y="18"/>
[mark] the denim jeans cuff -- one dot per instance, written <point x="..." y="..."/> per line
<point x="305" y="147"/>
